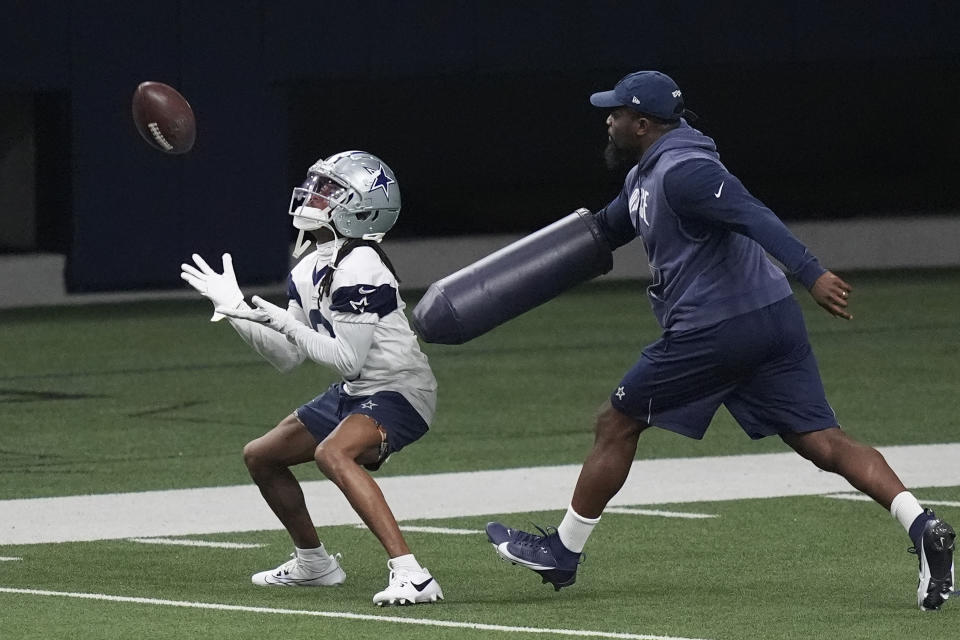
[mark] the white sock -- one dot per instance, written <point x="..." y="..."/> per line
<point x="905" y="509"/>
<point x="575" y="529"/>
<point x="318" y="555"/>
<point x="406" y="562"/>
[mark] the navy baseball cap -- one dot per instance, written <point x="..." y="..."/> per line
<point x="649" y="92"/>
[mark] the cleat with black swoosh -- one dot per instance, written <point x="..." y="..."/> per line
<point x="299" y="572"/>
<point x="408" y="587"/>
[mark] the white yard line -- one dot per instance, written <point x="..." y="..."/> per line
<point x="9" y="559"/>
<point x="427" y="622"/>
<point x="184" y="542"/>
<point x="859" y="497"/>
<point x="656" y="512"/>
<point x="448" y="495"/>
<point x="440" y="530"/>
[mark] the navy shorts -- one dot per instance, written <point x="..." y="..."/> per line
<point x="759" y="365"/>
<point x="390" y="409"/>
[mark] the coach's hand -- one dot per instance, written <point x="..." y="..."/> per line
<point x="833" y="294"/>
<point x="221" y="288"/>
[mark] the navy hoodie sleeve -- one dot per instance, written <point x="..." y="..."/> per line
<point x="614" y="221"/>
<point x="705" y="192"/>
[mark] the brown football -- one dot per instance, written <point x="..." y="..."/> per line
<point x="164" y="117"/>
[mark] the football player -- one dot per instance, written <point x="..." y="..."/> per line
<point x="343" y="311"/>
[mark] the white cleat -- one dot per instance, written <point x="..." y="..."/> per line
<point x="297" y="573"/>
<point x="409" y="587"/>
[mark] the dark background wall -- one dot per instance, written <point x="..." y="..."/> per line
<point x="824" y="109"/>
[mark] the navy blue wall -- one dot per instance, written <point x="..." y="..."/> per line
<point x="824" y="109"/>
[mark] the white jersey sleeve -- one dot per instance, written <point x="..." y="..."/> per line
<point x="272" y="346"/>
<point x="345" y="353"/>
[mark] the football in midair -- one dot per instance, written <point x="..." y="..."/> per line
<point x="164" y="117"/>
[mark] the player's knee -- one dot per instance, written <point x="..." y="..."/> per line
<point x="329" y="458"/>
<point x="824" y="448"/>
<point x="612" y="425"/>
<point x="254" y="455"/>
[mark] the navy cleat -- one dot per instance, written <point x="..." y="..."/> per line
<point x="497" y="533"/>
<point x="544" y="554"/>
<point x="936" y="564"/>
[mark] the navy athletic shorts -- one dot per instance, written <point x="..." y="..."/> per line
<point x="759" y="365"/>
<point x="390" y="409"/>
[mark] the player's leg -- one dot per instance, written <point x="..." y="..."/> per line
<point x="268" y="460"/>
<point x="387" y="423"/>
<point x="356" y="441"/>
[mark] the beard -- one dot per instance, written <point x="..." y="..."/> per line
<point x="617" y="158"/>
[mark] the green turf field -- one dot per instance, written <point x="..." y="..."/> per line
<point x="120" y="398"/>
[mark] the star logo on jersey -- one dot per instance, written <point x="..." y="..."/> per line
<point x="380" y="181"/>
<point x="368" y="405"/>
<point x="620" y="393"/>
<point x="359" y="305"/>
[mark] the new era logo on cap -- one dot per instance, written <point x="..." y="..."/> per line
<point x="649" y="92"/>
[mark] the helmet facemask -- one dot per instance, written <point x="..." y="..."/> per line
<point x="313" y="205"/>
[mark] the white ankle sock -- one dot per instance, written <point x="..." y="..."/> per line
<point x="905" y="509"/>
<point x="310" y="556"/>
<point x="575" y="529"/>
<point x="406" y="562"/>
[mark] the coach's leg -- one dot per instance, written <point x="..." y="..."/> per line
<point x="356" y="441"/>
<point x="268" y="459"/>
<point x="863" y="466"/>
<point x="608" y="463"/>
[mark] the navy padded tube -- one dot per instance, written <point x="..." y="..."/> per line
<point x="513" y="280"/>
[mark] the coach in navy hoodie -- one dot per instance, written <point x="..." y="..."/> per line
<point x="733" y="334"/>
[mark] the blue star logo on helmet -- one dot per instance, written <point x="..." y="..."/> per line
<point x="380" y="181"/>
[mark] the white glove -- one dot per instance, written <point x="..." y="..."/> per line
<point x="221" y="289"/>
<point x="265" y="313"/>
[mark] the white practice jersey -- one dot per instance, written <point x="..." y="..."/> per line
<point x="364" y="291"/>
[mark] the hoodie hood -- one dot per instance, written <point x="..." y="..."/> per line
<point x="683" y="137"/>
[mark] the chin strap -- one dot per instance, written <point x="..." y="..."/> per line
<point x="300" y="246"/>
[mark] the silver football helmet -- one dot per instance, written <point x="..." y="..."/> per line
<point x="353" y="193"/>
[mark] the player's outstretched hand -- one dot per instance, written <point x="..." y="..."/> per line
<point x="264" y="313"/>
<point x="221" y="288"/>
<point x="833" y="294"/>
